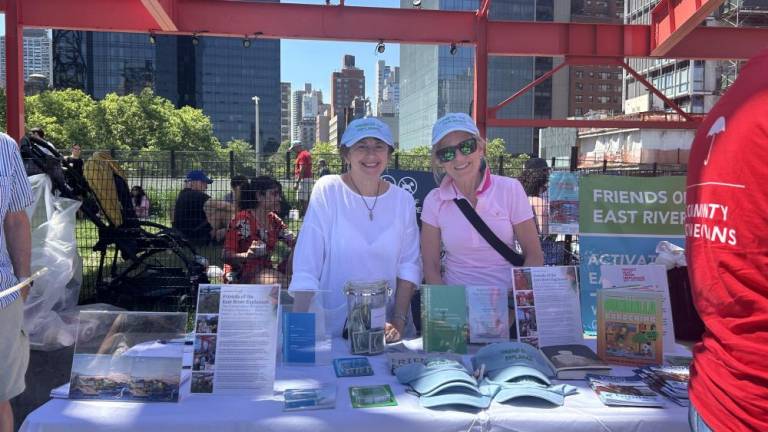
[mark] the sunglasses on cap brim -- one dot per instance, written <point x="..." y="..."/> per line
<point x="466" y="147"/>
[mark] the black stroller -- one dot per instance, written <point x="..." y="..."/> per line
<point x="142" y="265"/>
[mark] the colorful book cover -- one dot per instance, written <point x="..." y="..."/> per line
<point x="624" y="391"/>
<point x="299" y="337"/>
<point x="352" y="367"/>
<point x="444" y="318"/>
<point x="629" y="327"/>
<point x="372" y="396"/>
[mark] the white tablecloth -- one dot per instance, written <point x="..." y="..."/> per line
<point x="581" y="412"/>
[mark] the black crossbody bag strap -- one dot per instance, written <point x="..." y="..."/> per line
<point x="513" y="257"/>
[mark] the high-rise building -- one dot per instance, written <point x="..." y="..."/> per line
<point x="434" y="82"/>
<point x="691" y="84"/>
<point x="382" y="72"/>
<point x="217" y="75"/>
<point x="304" y="110"/>
<point x="387" y="96"/>
<point x="37" y="55"/>
<point x="346" y="84"/>
<point x="285" y="111"/>
<point x="595" y="88"/>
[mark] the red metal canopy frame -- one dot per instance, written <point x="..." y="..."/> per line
<point x="673" y="33"/>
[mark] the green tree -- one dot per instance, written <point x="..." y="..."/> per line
<point x="64" y="115"/>
<point x="415" y="158"/>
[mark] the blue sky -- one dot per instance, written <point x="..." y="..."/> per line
<point x="314" y="61"/>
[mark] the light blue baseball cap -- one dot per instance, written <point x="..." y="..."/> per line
<point x="453" y="122"/>
<point x="435" y="375"/>
<point x="471" y="397"/>
<point x="508" y="361"/>
<point x="367" y="127"/>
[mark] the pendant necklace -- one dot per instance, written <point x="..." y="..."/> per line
<point x="370" y="209"/>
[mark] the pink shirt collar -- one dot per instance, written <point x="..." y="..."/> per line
<point x="448" y="190"/>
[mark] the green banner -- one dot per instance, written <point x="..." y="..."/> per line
<point x="632" y="205"/>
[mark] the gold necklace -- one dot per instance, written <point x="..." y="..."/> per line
<point x="370" y="209"/>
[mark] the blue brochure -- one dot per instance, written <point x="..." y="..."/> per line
<point x="298" y="337"/>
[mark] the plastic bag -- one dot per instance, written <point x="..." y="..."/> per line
<point x="52" y="220"/>
<point x="670" y="255"/>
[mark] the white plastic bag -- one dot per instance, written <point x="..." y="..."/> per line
<point x="52" y="221"/>
<point x="670" y="255"/>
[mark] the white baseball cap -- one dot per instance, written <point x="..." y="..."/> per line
<point x="453" y="122"/>
<point x="368" y="127"/>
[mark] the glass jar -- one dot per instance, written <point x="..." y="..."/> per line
<point x="366" y="315"/>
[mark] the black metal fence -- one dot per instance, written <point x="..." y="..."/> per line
<point x="161" y="176"/>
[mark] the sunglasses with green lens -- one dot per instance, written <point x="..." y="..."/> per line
<point x="466" y="147"/>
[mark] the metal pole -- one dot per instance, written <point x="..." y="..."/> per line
<point x="14" y="60"/>
<point x="256" y="132"/>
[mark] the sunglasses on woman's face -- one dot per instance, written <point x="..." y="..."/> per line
<point x="466" y="147"/>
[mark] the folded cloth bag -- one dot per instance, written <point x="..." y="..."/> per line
<point x="441" y="382"/>
<point x="508" y="361"/>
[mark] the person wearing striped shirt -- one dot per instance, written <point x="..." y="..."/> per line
<point x="15" y="238"/>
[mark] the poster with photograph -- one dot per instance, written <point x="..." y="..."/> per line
<point x="546" y="302"/>
<point x="128" y="356"/>
<point x="563" y="193"/>
<point x="235" y="339"/>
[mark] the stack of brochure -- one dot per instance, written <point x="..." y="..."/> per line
<point x="670" y="381"/>
<point x="624" y="391"/>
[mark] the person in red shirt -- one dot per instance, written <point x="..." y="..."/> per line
<point x="302" y="172"/>
<point x="254" y="233"/>
<point x="726" y="229"/>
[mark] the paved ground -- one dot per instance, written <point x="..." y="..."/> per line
<point x="46" y="371"/>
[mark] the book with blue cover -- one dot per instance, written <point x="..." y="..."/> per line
<point x="299" y="337"/>
<point x="352" y="367"/>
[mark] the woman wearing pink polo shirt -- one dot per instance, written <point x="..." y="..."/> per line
<point x="458" y="158"/>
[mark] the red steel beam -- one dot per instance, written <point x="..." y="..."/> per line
<point x="416" y="26"/>
<point x="673" y="20"/>
<point x="162" y="12"/>
<point x="655" y="91"/>
<point x="480" y="76"/>
<point x="606" y="124"/>
<point x="14" y="75"/>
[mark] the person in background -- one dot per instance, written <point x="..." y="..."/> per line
<point x="458" y="162"/>
<point x="359" y="227"/>
<point x="254" y="233"/>
<point x="236" y="184"/>
<point x="73" y="161"/>
<point x="302" y="173"/>
<point x="140" y="202"/>
<point x="726" y="229"/>
<point x="196" y="215"/>
<point x="322" y="168"/>
<point x="15" y="256"/>
<point x="535" y="180"/>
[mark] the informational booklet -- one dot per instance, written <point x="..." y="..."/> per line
<point x="372" y="396"/>
<point x="299" y="337"/>
<point x="352" y="367"/>
<point x="670" y="381"/>
<point x="629" y="326"/>
<point x="651" y="276"/>
<point x="128" y="356"/>
<point x="488" y="314"/>
<point x="546" y="303"/>
<point x="444" y="318"/>
<point x="624" y="391"/>
<point x="313" y="398"/>
<point x="574" y="362"/>
<point x="239" y="358"/>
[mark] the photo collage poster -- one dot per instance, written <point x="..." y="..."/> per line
<point x="235" y="339"/>
<point x="546" y="303"/>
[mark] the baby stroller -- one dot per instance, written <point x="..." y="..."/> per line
<point x="142" y="265"/>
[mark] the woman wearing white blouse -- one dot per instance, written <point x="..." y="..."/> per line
<point x="359" y="227"/>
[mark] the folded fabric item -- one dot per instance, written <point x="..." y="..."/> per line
<point x="526" y="387"/>
<point x="508" y="361"/>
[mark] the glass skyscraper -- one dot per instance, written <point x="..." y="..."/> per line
<point x="433" y="82"/>
<point x="218" y="75"/>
